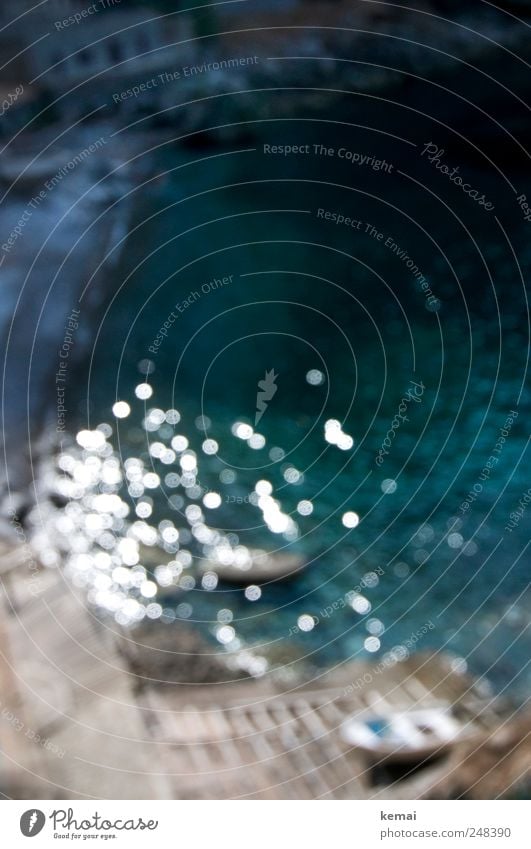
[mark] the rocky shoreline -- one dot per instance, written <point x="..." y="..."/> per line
<point x="59" y="268"/>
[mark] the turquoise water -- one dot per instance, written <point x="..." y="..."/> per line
<point x="305" y="293"/>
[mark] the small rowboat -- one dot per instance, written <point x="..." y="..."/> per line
<point x="404" y="734"/>
<point x="257" y="567"/>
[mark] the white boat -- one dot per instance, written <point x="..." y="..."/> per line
<point x="403" y="734"/>
<point x="257" y="567"/>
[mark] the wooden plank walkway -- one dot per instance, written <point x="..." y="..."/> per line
<point x="71" y="682"/>
<point x="248" y="740"/>
<point x="75" y="697"/>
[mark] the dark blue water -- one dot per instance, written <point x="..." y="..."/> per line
<point x="307" y="293"/>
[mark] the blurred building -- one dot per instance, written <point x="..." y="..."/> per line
<point x="80" y="62"/>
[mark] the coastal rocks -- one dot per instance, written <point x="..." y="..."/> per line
<point x="174" y="655"/>
<point x="498" y="767"/>
<point x="63" y="229"/>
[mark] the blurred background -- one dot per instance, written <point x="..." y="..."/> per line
<point x="265" y="340"/>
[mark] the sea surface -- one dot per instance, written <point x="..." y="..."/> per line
<point x="236" y="242"/>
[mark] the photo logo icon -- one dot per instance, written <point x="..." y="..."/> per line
<point x="32" y="822"/>
<point x="266" y="390"/>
